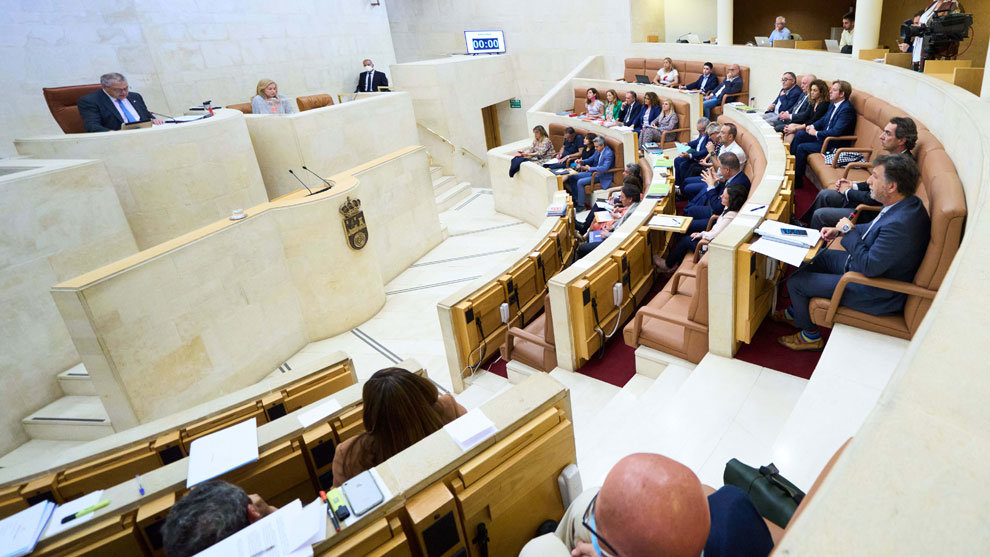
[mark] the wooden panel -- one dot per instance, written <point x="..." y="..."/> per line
<point x="11" y="501"/>
<point x="106" y="472"/>
<point x="523" y="289"/>
<point x="784" y="43"/>
<point x="518" y="494"/>
<point x="279" y="475"/>
<point x="150" y="518"/>
<point x="324" y="384"/>
<point x="485" y="462"/>
<point x="364" y="541"/>
<point x="113" y="537"/>
<point x="809" y="45"/>
<point x="349" y="424"/>
<point x="754" y="293"/>
<point x="434" y="507"/>
<point x="970" y="79"/>
<point x="39" y="489"/>
<point x="481" y="307"/>
<point x="872" y="53"/>
<point x="899" y="59"/>
<point x="596" y="287"/>
<point x="945" y="66"/>
<point x="320" y="445"/>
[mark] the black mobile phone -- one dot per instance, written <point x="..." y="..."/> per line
<point x="794" y="232"/>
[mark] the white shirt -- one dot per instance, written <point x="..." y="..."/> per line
<point x="134" y="113"/>
<point x="667" y="78"/>
<point x="847" y="37"/>
<point x="737" y="150"/>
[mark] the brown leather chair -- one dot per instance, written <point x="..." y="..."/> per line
<point x="243" y="107"/>
<point x="62" y="104"/>
<point x="942" y="194"/>
<point x="675" y="321"/>
<point x="556" y="132"/>
<point x="532" y="345"/>
<point x="313" y="101"/>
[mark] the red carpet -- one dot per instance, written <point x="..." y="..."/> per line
<point x="616" y="368"/>
<point x="804" y="197"/>
<point x="498" y="368"/>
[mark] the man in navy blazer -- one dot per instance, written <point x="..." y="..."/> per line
<point x="786" y="99"/>
<point x="370" y="79"/>
<point x="632" y="110"/>
<point x="601" y="161"/>
<point x="706" y="82"/>
<point x="838" y="121"/>
<point x="708" y="202"/>
<point x="891" y="246"/>
<point x="733" y="84"/>
<point x="697" y="152"/>
<point x="112" y="106"/>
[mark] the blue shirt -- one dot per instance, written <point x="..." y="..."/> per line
<point x="737" y="527"/>
<point x="784" y="34"/>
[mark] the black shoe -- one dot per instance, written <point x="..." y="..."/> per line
<point x="547" y="527"/>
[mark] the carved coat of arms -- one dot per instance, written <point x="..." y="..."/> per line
<point x="355" y="227"/>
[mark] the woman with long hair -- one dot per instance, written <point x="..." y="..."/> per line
<point x="400" y="409"/>
<point x="540" y="151"/>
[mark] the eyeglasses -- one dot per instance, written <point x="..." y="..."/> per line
<point x="118" y="89"/>
<point x="588" y="521"/>
<point x="786" y="79"/>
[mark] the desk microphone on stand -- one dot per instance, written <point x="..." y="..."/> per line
<point x="330" y="183"/>
<point x="301" y="182"/>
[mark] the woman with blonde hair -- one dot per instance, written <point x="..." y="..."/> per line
<point x="655" y="130"/>
<point x="667" y="75"/>
<point x="612" y="106"/>
<point x="268" y="101"/>
<point x="540" y="151"/>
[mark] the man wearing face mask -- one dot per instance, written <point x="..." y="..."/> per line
<point x="369" y="81"/>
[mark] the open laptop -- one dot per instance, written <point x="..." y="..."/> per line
<point x="763" y="41"/>
<point x="640" y="78"/>
<point x="831" y="45"/>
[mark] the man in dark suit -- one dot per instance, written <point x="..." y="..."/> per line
<point x="632" y="110"/>
<point x="685" y="161"/>
<point x="706" y="82"/>
<point x="786" y="99"/>
<point x="114" y="105"/>
<point x="802" y="106"/>
<point x="601" y="161"/>
<point x="733" y="84"/>
<point x="899" y="136"/>
<point x="708" y="201"/>
<point x="891" y="246"/>
<point x="838" y="121"/>
<point x="370" y="80"/>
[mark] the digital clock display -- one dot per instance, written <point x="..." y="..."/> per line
<point x="484" y="42"/>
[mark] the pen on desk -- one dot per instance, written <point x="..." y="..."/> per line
<point x="137" y="478"/>
<point x="754" y="209"/>
<point x="87" y="510"/>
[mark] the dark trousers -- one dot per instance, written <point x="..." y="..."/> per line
<point x="683" y="245"/>
<point x="802" y="146"/>
<point x="828" y="208"/>
<point x="818" y="279"/>
<point x="582" y="227"/>
<point x="586" y="248"/>
<point x="515" y="164"/>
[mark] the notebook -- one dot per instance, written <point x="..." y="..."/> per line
<point x="19" y="533"/>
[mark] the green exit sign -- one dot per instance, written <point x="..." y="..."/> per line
<point x="515" y="103"/>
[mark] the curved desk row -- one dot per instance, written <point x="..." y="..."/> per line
<point x="434" y="482"/>
<point x="110" y="460"/>
<point x="168" y="327"/>
<point x="470" y="318"/>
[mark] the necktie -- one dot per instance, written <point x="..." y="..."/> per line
<point x="800" y="103"/>
<point x="835" y="108"/>
<point x="368" y="86"/>
<point x="127" y="113"/>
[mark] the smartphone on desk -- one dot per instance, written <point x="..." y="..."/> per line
<point x="362" y="493"/>
<point x="794" y="232"/>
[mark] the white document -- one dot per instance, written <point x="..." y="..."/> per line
<point x="19" y="533"/>
<point x="623" y="128"/>
<point x="554" y="160"/>
<point x="666" y="221"/>
<point x="470" y="429"/>
<point x="223" y="451"/>
<point x="792" y="255"/>
<point x="772" y="229"/>
<point x="318" y="412"/>
<point x="755" y="209"/>
<point x="55" y="525"/>
<point x="308" y="527"/>
<point x="265" y="538"/>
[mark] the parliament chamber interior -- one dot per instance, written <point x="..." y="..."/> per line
<point x="728" y="248"/>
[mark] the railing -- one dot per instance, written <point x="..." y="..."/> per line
<point x="453" y="148"/>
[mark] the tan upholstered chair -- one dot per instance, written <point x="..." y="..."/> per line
<point x="313" y="101"/>
<point x="532" y="345"/>
<point x="675" y="321"/>
<point x="62" y="104"/>
<point x="556" y="132"/>
<point x="243" y="107"/>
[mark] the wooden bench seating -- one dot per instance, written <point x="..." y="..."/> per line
<point x="76" y="478"/>
<point x="689" y="71"/>
<point x="682" y="108"/>
<point x="504" y="487"/>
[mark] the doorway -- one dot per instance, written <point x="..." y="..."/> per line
<point x="493" y="138"/>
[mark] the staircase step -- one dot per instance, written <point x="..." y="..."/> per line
<point x="443" y="184"/>
<point x="70" y="418"/>
<point x="453" y="196"/>
<point x="436" y="172"/>
<point x="76" y="381"/>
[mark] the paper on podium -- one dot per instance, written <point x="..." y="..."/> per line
<point x="792" y="255"/>
<point x="470" y="429"/>
<point x="55" y="525"/>
<point x="288" y="532"/>
<point x="318" y="412"/>
<point x="307" y="528"/>
<point x="223" y="451"/>
<point x="19" y="533"/>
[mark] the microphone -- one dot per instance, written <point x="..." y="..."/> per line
<point x="153" y="113"/>
<point x="330" y="183"/>
<point x="301" y="182"/>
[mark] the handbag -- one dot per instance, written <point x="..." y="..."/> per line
<point x="773" y="496"/>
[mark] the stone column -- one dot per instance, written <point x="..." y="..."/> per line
<point x="867" y="33"/>
<point x="724" y="28"/>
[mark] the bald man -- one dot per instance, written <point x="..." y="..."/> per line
<point x="652" y="505"/>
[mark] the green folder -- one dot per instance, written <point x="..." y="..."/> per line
<point x="663" y="163"/>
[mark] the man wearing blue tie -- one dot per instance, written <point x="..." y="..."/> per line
<point x="112" y="106"/>
<point x="840" y="120"/>
<point x="600" y="161"/>
<point x="891" y="246"/>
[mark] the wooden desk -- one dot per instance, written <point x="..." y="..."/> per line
<point x="682" y="229"/>
<point x="562" y="177"/>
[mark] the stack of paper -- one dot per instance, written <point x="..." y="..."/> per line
<point x="663" y="162"/>
<point x="666" y="221"/>
<point x="470" y="429"/>
<point x="557" y="209"/>
<point x="603" y="216"/>
<point x="290" y="532"/>
<point x="221" y="452"/>
<point x="658" y="190"/>
<point x="56" y="526"/>
<point x="773" y="230"/>
<point x="19" y="533"/>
